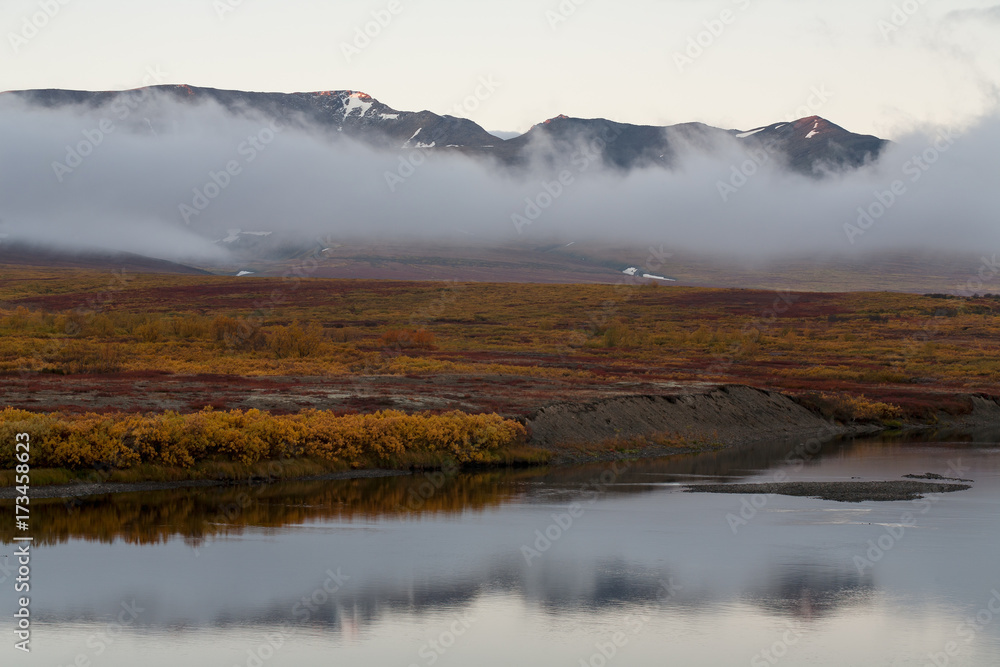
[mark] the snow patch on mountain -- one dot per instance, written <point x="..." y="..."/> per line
<point x="405" y="145"/>
<point x="357" y="100"/>
<point x="235" y="234"/>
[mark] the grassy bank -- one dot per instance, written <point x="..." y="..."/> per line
<point x="236" y="445"/>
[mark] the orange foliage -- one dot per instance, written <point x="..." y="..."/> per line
<point x="408" y="338"/>
<point x="181" y="440"/>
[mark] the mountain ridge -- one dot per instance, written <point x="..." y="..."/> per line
<point x="810" y="145"/>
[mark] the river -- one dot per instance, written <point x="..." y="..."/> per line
<point x="605" y="564"/>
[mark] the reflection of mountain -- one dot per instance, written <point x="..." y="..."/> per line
<point x="805" y="591"/>
<point x="811" y="590"/>
<point x="586" y="586"/>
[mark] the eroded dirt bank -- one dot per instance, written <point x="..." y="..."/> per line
<point x="729" y="415"/>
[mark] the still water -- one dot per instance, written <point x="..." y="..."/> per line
<point x="596" y="565"/>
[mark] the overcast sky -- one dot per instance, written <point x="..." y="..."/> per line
<point x="627" y="60"/>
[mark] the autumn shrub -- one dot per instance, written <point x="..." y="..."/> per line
<point x="620" y="334"/>
<point x="883" y="376"/>
<point x="17" y="320"/>
<point x="224" y="328"/>
<point x="344" y="334"/>
<point x="100" y="326"/>
<point x="189" y="326"/>
<point x="242" y="335"/>
<point x="295" y="341"/>
<point x="844" y="407"/>
<point x="149" y="332"/>
<point x="81" y="356"/>
<point x="70" y="323"/>
<point x="408" y="338"/>
<point x="183" y="440"/>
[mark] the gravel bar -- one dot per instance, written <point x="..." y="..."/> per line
<point x="847" y="492"/>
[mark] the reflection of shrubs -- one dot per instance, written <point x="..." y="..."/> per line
<point x="172" y="439"/>
<point x="420" y="339"/>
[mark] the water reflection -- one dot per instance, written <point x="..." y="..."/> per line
<point x="812" y="590"/>
<point x="155" y="516"/>
<point x="366" y="571"/>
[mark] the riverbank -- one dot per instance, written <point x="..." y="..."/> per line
<point x="629" y="427"/>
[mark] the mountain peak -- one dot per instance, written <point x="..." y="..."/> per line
<point x="550" y="120"/>
<point x="813" y="126"/>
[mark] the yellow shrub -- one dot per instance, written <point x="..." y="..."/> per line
<point x="172" y="439"/>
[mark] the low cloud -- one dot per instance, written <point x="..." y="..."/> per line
<point x="169" y="179"/>
<point x="976" y="14"/>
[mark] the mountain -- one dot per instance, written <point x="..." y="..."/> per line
<point x="810" y="141"/>
<point x="616" y="145"/>
<point x="808" y="145"/>
<point x="28" y="255"/>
